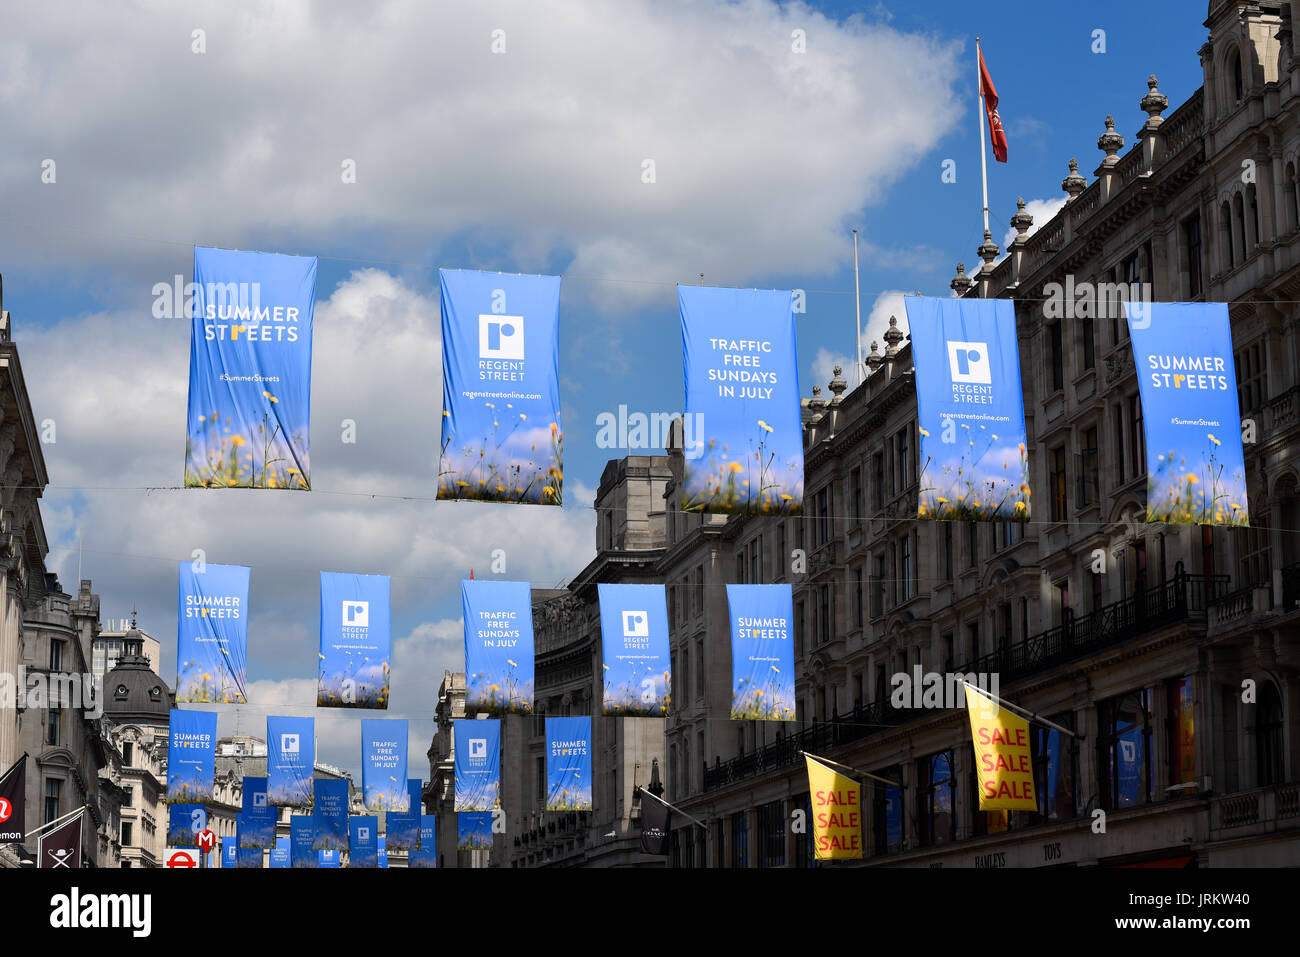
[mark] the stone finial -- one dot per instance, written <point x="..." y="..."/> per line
<point x="1074" y="184"/>
<point x="1021" y="222"/>
<point x="816" y="404"/>
<point x="961" y="282"/>
<point x="1154" y="103"/>
<point x="837" y="384"/>
<point x="1111" y="142"/>
<point x="988" y="250"/>
<point x="893" y="336"/>
<point x="875" y="358"/>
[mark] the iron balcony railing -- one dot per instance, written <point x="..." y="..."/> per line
<point x="1181" y="598"/>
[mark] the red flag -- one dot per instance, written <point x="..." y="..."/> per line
<point x="997" y="135"/>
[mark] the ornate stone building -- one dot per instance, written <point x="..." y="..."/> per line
<point x="1177" y="665"/>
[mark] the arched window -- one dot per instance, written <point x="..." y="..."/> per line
<point x="1238" y="80"/>
<point x="1225" y="237"/>
<point x="1268" y="736"/>
<point x="1252" y="210"/>
<point x="1292" y="208"/>
<point x="1239" y="228"/>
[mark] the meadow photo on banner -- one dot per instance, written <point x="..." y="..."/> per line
<point x="258" y="815"/>
<point x="301" y="839"/>
<point x="191" y="756"/>
<point x="383" y="764"/>
<point x="744" y="440"/>
<point x="355" y="641"/>
<point x="402" y="829"/>
<point x="477" y="746"/>
<point x="249" y="419"/>
<point x="426" y="855"/>
<point x="502" y="440"/>
<point x="970" y="410"/>
<point x="290" y="761"/>
<point x="1196" y="469"/>
<point x="212" y="633"/>
<point x="363" y="839"/>
<point x="474" y="831"/>
<point x="634" y="649"/>
<point x="498" y="619"/>
<point x="329" y="813"/>
<point x="184" y="822"/>
<point x="280" y="853"/>
<point x="762" y="652"/>
<point x="568" y="764"/>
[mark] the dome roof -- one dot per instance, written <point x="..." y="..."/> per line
<point x="132" y="692"/>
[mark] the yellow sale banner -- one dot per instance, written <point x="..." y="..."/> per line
<point x="837" y="814"/>
<point x="1002" y="755"/>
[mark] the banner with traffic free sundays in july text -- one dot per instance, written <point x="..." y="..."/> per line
<point x="634" y="649"/>
<point x="383" y="764"/>
<point x="498" y="619"/>
<point x="502" y="440"/>
<point x="974" y="463"/>
<point x="191" y="756"/>
<point x="329" y="812"/>
<point x="477" y="747"/>
<point x="355" y="641"/>
<point x="1196" y="468"/>
<point x="249" y="419"/>
<point x="568" y="764"/>
<point x="762" y="652"/>
<point x="212" y="633"/>
<point x="743" y="428"/>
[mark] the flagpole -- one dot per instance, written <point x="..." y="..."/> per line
<point x="1022" y="712"/>
<point x="865" y="774"/>
<point x="857" y="298"/>
<point x="983" y="118"/>
<point x="670" y="807"/>
<point x="46" y="827"/>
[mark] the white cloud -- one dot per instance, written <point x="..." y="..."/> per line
<point x="888" y="303"/>
<point x="539" y="150"/>
<point x="1042" y="210"/>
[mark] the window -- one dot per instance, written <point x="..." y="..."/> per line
<point x="740" y="839"/>
<point x="825" y="615"/>
<point x="878" y="588"/>
<point x="56" y="655"/>
<point x="878" y="480"/>
<point x="698" y="593"/>
<point x="972" y="544"/>
<point x="859" y="597"/>
<point x="1268" y="735"/>
<point x="973" y="642"/>
<point x="1089" y="337"/>
<point x="947" y="551"/>
<point x="798" y="629"/>
<point x="1056" y="483"/>
<point x="822" y="517"/>
<point x="887" y="819"/>
<point x="1238" y="79"/>
<point x="1055" y="357"/>
<point x="1124" y="750"/>
<point x="1192" y="238"/>
<point x="699" y="669"/>
<point x="54" y="725"/>
<point x="1252" y="376"/>
<point x="1119" y="445"/>
<point x="127" y="834"/>
<point x="935" y="798"/>
<point x="781" y="556"/>
<point x="771" y="834"/>
<point x="1087" y="474"/>
<point x="905" y="458"/>
<point x="756" y="560"/>
<point x="855" y="483"/>
<point x="128" y="754"/>
<point x="1055" y="770"/>
<point x="905" y="566"/>
<point x="1253" y="547"/>
<point x="52" y="789"/>
<point x="1182" y="732"/>
<point x="1137" y="439"/>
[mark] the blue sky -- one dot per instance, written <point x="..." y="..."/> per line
<point x="530" y="160"/>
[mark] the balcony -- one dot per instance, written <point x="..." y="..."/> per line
<point x="1183" y="598"/>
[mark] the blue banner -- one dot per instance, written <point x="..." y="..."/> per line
<point x="402" y="830"/>
<point x="230" y="852"/>
<point x="426" y="855"/>
<point x="246" y="856"/>
<point x="1196" y="470"/>
<point x="743" y="428"/>
<point x="501" y="435"/>
<point x="477" y="748"/>
<point x="383" y="764"/>
<point x="280" y="853"/>
<point x="363" y="835"/>
<point x="290" y="761"/>
<point x="301" y="839"/>
<point x="184" y="821"/>
<point x="634" y="646"/>
<point x="762" y="652"/>
<point x="249" y="419"/>
<point x="474" y="831"/>
<point x="212" y="634"/>
<point x="970" y="410"/>
<point x="568" y="764"/>
<point x="415" y="788"/>
<point x="257" y="815"/>
<point x="381" y="854"/>
<point x="354" y="641"/>
<point x="327" y="858"/>
<point x="329" y="813"/>
<point x="191" y="756"/>
<point x="498" y="646"/>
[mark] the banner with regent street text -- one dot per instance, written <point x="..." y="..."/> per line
<point x="568" y="764"/>
<point x="258" y="815"/>
<point x="836" y="813"/>
<point x="212" y="634"/>
<point x="762" y="652"/>
<point x="502" y="440"/>
<point x="383" y="764"/>
<point x="634" y="649"/>
<point x="1196" y="467"/>
<point x="355" y="641"/>
<point x="249" y="419"/>
<point x="290" y="760"/>
<point x="1003" y="759"/>
<point x="974" y="462"/>
<point x="498" y="619"/>
<point x="743" y="428"/>
<point x="363" y="837"/>
<point x="191" y="756"/>
<point x="477" y="747"/>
